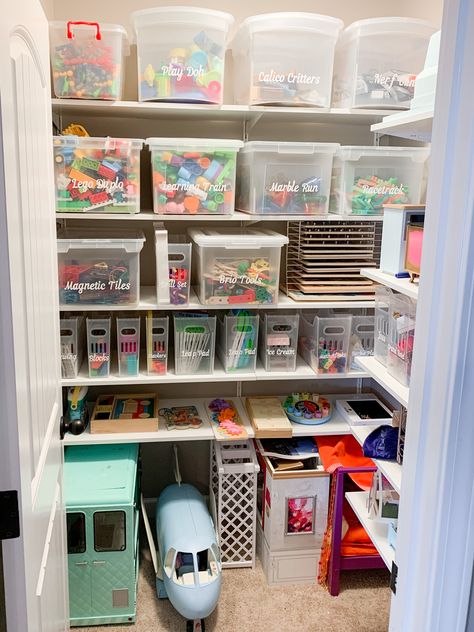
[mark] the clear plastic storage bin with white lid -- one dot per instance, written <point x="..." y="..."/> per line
<point x="99" y="267"/>
<point x="97" y="174"/>
<point x="237" y="267"/>
<point x="87" y="59"/>
<point x="181" y="53"/>
<point x="366" y="178"/>
<point x="284" y="178"/>
<point x="193" y="175"/>
<point x="377" y="61"/>
<point x="285" y="58"/>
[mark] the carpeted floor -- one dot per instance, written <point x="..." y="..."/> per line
<point x="248" y="604"/>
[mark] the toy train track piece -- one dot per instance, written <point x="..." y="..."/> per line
<point x="226" y="422"/>
<point x="307" y="408"/>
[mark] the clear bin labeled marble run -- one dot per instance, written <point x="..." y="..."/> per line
<point x="99" y="267"/>
<point x="237" y="267"/>
<point x="96" y="175"/>
<point x="377" y="62"/>
<point x="87" y="59"/>
<point x="285" y="58"/>
<point x="285" y="178"/>
<point x="193" y="175"/>
<point x="181" y="53"/>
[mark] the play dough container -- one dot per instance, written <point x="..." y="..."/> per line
<point x="377" y="61"/>
<point x="366" y="178"/>
<point x="181" y="53"/>
<point x="97" y="174"/>
<point x="237" y="267"/>
<point x="285" y="178"/>
<point x="193" y="175"/>
<point x="87" y="59"/>
<point x="285" y="58"/>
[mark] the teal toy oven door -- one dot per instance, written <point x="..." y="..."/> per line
<point x="80" y="594"/>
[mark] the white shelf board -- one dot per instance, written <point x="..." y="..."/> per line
<point x="390" y="469"/>
<point x="376" y="531"/>
<point x="148" y="302"/>
<point x="379" y="373"/>
<point x="410" y="125"/>
<point x="400" y="285"/>
<point x="156" y="110"/>
<point x="335" y="426"/>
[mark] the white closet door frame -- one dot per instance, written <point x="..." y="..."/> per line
<point x="435" y="542"/>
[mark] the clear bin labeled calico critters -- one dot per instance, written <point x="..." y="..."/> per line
<point x="285" y="58"/>
<point x="377" y="61"/>
<point x="181" y="53"/>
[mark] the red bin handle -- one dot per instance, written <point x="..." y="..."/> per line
<point x="70" y="34"/>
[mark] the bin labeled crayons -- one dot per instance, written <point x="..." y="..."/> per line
<point x="193" y="175"/>
<point x="181" y="53"/>
<point x="97" y="174"/>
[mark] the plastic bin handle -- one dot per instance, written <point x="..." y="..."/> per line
<point x="70" y="34"/>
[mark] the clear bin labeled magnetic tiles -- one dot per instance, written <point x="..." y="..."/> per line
<point x="87" y="59"/>
<point x="193" y="176"/>
<point x="97" y="174"/>
<point x="181" y="53"/>
<point x="237" y="267"/>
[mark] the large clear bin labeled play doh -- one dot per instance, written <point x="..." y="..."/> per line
<point x="236" y="267"/>
<point x="87" y="59"/>
<point x="377" y="61"/>
<point x="274" y="177"/>
<point x="366" y="178"/>
<point x="99" y="267"/>
<point x="181" y="53"/>
<point x="324" y="342"/>
<point x="285" y="58"/>
<point x="97" y="174"/>
<point x="193" y="175"/>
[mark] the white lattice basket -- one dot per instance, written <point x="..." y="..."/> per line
<point x="234" y="469"/>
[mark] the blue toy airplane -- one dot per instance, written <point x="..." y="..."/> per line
<point x="188" y="568"/>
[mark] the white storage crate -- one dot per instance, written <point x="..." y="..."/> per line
<point x="324" y="342"/>
<point x="99" y="267"/>
<point x="364" y="179"/>
<point x="181" y="52"/>
<point x="73" y="345"/>
<point x="377" y="61"/>
<point x="87" y="59"/>
<point x="237" y="267"/>
<point x="285" y="58"/>
<point x="274" y="177"/>
<point x="233" y="480"/>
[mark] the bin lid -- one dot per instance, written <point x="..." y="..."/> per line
<point x="194" y="143"/>
<point x="209" y="18"/>
<point x="290" y="21"/>
<point x="97" y="142"/>
<point x="356" y="152"/>
<point x="289" y="147"/>
<point x="233" y="238"/>
<point x="107" y="29"/>
<point x="377" y="26"/>
<point x="92" y="238"/>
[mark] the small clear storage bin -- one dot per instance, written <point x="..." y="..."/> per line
<point x="324" y="342"/>
<point x="285" y="58"/>
<point x="99" y="267"/>
<point x="87" y="59"/>
<point x="237" y="342"/>
<point x="377" y="61"/>
<point x="193" y="175"/>
<point x="95" y="175"/>
<point x="98" y="346"/>
<point x="181" y="53"/>
<point x="128" y="345"/>
<point x="157" y="345"/>
<point x="362" y="339"/>
<point x="194" y="344"/>
<point x="73" y="345"/>
<point x="237" y="267"/>
<point x="279" y="342"/>
<point x="285" y="177"/>
<point x="401" y="338"/>
<point x="366" y="178"/>
<point x="383" y="297"/>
